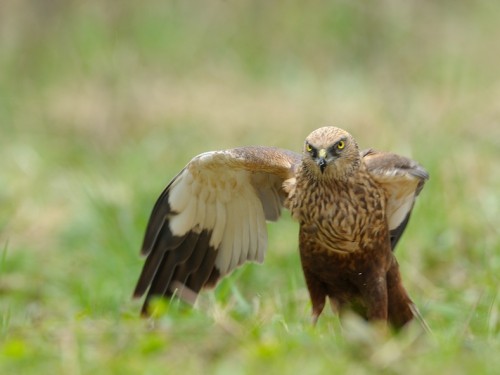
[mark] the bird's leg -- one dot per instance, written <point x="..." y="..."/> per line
<point x="317" y="294"/>
<point x="399" y="303"/>
<point x="374" y="293"/>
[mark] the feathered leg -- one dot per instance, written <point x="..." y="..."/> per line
<point x="317" y="293"/>
<point x="374" y="294"/>
<point x="400" y="306"/>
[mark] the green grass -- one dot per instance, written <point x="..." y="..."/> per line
<point x="101" y="103"/>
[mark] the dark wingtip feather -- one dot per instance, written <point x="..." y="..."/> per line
<point x="197" y="280"/>
<point x="396" y="233"/>
<point x="183" y="271"/>
<point x="162" y="278"/>
<point x="160" y="213"/>
<point x="156" y="222"/>
<point x="151" y="265"/>
<point x="164" y="241"/>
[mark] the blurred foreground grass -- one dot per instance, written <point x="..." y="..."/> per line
<point x="101" y="103"/>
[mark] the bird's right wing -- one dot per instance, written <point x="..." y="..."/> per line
<point x="211" y="219"/>
<point x="402" y="179"/>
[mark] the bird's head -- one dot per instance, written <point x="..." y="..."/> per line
<point x="331" y="152"/>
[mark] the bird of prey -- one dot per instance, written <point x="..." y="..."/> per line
<point x="352" y="207"/>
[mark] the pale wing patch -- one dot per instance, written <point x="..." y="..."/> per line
<point x="182" y="204"/>
<point x="400" y="190"/>
<point x="245" y="239"/>
<point x="179" y="190"/>
<point x="397" y="210"/>
<point x="244" y="213"/>
<point x="219" y="219"/>
<point x="205" y="196"/>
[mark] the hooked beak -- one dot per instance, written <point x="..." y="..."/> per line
<point x="322" y="164"/>
<point x="321" y="161"/>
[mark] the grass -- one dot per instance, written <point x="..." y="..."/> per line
<point x="101" y="104"/>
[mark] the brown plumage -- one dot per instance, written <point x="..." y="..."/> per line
<point x="352" y="208"/>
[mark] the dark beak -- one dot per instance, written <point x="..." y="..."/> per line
<point x="322" y="164"/>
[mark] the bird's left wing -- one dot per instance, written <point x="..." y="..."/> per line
<point x="211" y="219"/>
<point x="402" y="179"/>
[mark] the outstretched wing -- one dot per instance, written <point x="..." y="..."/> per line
<point x="211" y="219"/>
<point x="402" y="179"/>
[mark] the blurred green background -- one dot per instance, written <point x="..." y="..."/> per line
<point x="102" y="102"/>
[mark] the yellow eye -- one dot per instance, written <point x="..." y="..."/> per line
<point x="341" y="145"/>
<point x="308" y="147"/>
